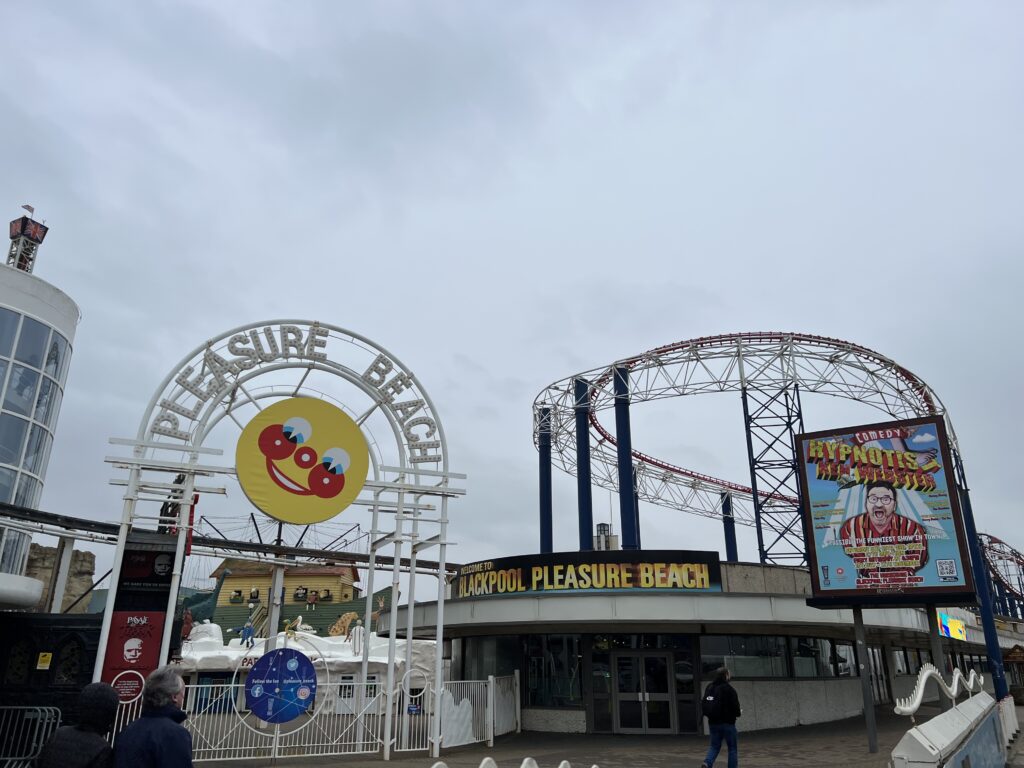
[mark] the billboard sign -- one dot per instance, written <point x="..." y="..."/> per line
<point x="881" y="516"/>
<point x="589" y="572"/>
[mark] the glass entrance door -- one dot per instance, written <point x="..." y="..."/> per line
<point x="644" y="695"/>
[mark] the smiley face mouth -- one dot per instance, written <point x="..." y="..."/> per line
<point x="286" y="482"/>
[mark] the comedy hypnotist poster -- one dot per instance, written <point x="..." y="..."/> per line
<point x="882" y="515"/>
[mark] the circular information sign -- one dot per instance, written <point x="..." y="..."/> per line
<point x="280" y="686"/>
<point x="128" y="685"/>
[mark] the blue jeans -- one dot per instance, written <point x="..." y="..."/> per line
<point x="721" y="731"/>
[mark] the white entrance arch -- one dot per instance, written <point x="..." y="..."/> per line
<point x="227" y="378"/>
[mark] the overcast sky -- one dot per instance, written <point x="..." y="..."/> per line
<point x="504" y="194"/>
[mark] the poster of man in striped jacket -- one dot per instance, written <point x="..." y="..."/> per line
<point x="882" y="516"/>
<point x="903" y="546"/>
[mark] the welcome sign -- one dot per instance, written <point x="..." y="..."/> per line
<point x="595" y="571"/>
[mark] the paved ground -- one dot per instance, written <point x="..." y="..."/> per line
<point x="842" y="743"/>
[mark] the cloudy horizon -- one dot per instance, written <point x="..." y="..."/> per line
<point x="504" y="195"/>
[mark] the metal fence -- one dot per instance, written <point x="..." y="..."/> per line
<point x="505" y="704"/>
<point x="465" y="717"/>
<point x="23" y="732"/>
<point x="345" y="718"/>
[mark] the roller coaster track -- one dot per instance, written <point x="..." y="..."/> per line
<point x="1005" y="563"/>
<point x="758" y="361"/>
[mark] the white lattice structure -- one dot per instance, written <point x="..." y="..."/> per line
<point x="715" y="365"/>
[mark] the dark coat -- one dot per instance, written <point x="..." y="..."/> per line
<point x="76" y="747"/>
<point x="155" y="740"/>
<point x="730" y="703"/>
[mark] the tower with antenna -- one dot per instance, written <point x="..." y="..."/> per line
<point x="37" y="332"/>
<point x="27" y="235"/>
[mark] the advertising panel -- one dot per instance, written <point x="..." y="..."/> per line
<point x="595" y="571"/>
<point x="882" y="517"/>
<point x="950" y="627"/>
<point x="140" y="612"/>
<point x="133" y="645"/>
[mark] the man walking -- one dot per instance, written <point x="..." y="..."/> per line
<point x="157" y="739"/>
<point x="721" y="706"/>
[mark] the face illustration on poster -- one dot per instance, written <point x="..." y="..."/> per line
<point x="133" y="650"/>
<point x="162" y="565"/>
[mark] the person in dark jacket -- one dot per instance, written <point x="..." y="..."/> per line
<point x="84" y="745"/>
<point x="722" y="707"/>
<point x="157" y="739"/>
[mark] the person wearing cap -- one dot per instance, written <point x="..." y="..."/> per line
<point x="157" y="739"/>
<point x="84" y="745"/>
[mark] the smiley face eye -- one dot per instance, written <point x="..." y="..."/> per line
<point x="298" y="430"/>
<point x="336" y="461"/>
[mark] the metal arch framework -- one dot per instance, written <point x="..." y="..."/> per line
<point x="221" y="380"/>
<point x="1006" y="566"/>
<point x="763" y="364"/>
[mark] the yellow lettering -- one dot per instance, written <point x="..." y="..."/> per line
<point x="688" y="580"/>
<point x="536" y="576"/>
<point x="646" y="575"/>
<point x="584" y="574"/>
<point x="675" y="576"/>
<point x="557" y="582"/>
<point x="613" y="576"/>
<point x="570" y="577"/>
<point x="703" y="576"/>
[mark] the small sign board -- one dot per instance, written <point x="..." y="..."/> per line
<point x="43" y="660"/>
<point x="281" y="685"/>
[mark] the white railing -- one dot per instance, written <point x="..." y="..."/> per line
<point x="24" y="731"/>
<point x="413" y="716"/>
<point x="345" y="718"/>
<point x="507" y="716"/>
<point x="464" y="713"/>
<point x="912" y="703"/>
<point x="1008" y="715"/>
<point x="528" y="762"/>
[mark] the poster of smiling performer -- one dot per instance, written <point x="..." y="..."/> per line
<point x="882" y="516"/>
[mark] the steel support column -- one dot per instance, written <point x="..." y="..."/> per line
<point x="1002" y="604"/>
<point x="771" y="420"/>
<point x="627" y="508"/>
<point x="729" y="524"/>
<point x="980" y="570"/>
<point x="544" y="451"/>
<point x="636" y="505"/>
<point x="584" y="500"/>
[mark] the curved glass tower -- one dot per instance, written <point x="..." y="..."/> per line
<point x="37" y="329"/>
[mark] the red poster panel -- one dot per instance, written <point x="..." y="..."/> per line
<point x="133" y="644"/>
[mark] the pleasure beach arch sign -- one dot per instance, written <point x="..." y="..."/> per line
<point x="326" y="418"/>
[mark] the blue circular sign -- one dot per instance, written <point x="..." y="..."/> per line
<point x="281" y="685"/>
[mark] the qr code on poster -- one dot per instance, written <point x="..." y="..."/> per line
<point x="947" y="569"/>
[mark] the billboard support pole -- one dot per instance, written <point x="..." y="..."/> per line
<point x="988" y="620"/>
<point x="935" y="644"/>
<point x="865" y="684"/>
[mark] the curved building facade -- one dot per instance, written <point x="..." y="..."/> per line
<point x="37" y="331"/>
<point x="633" y="658"/>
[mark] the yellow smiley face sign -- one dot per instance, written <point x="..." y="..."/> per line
<point x="302" y="460"/>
